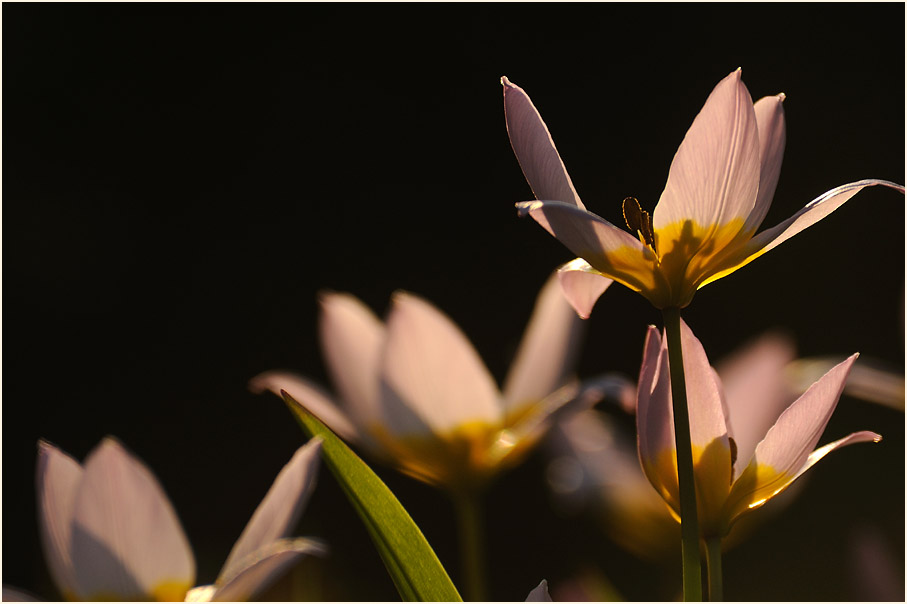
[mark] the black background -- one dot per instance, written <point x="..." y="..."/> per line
<point x="179" y="181"/>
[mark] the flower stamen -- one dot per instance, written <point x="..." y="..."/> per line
<point x="639" y="222"/>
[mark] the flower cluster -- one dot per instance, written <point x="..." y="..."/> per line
<point x="412" y="393"/>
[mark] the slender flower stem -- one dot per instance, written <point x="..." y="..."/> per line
<point x="472" y="549"/>
<point x="689" y="525"/>
<point x="713" y="568"/>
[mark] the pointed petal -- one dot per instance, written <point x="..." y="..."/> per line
<point x="812" y="213"/>
<point x="312" y="397"/>
<point x="772" y="133"/>
<point x="548" y="350"/>
<point x="654" y="420"/>
<point x="535" y="149"/>
<point x="351" y="341"/>
<point x="432" y="370"/>
<point x="278" y="513"/>
<point x="714" y="176"/>
<point x="785" y="452"/>
<point x="260" y="568"/>
<point x="57" y="481"/>
<point x="756" y="390"/>
<point x="582" y="285"/>
<point x="127" y="542"/>
<point x="612" y="251"/>
<point x="708" y="433"/>
<point x="540" y="593"/>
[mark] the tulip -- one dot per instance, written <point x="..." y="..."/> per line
<point x="719" y="189"/>
<point x="731" y="479"/>
<point x="415" y="394"/>
<point x="110" y="533"/>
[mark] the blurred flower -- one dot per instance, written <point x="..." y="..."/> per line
<point x="595" y="463"/>
<point x="415" y="394"/>
<point x="727" y="489"/>
<point x="719" y="189"/>
<point x="110" y="533"/>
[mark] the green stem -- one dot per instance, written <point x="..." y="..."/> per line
<point x="472" y="549"/>
<point x="713" y="568"/>
<point x="689" y="525"/>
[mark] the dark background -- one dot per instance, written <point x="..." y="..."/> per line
<point x="179" y="182"/>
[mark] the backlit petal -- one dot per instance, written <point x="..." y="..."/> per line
<point x="315" y="400"/>
<point x="787" y="449"/>
<point x="535" y="149"/>
<point x="279" y="511"/>
<point x="582" y="285"/>
<point x="772" y="132"/>
<point x="708" y="433"/>
<point x="714" y="176"/>
<point x="260" y="568"/>
<point x="654" y="420"/>
<point x="431" y="369"/>
<point x="351" y="340"/>
<point x="812" y="213"/>
<point x="57" y="481"/>
<point x="548" y="350"/>
<point x="127" y="542"/>
<point x="610" y="250"/>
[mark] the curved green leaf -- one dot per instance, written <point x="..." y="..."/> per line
<point x="409" y="559"/>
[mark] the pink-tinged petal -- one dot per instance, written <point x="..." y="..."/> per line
<point x="57" y="481"/>
<point x="547" y="352"/>
<point x="714" y="176"/>
<point x="540" y="593"/>
<point x="756" y="390"/>
<point x="351" y="339"/>
<point x="535" y="149"/>
<point x="582" y="285"/>
<point x="434" y="378"/>
<point x="260" y="568"/>
<point x="787" y="450"/>
<point x="313" y="398"/>
<point x="654" y="419"/>
<point x="812" y="213"/>
<point x="127" y="542"/>
<point x="708" y="433"/>
<point x="612" y="251"/>
<point x="279" y="511"/>
<point x="772" y="132"/>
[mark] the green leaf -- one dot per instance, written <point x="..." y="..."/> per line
<point x="410" y="560"/>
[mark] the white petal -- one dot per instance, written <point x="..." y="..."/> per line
<point x="434" y="379"/>
<point x="812" y="213"/>
<point x="654" y="419"/>
<point x="12" y="594"/>
<point x="772" y="132"/>
<point x="582" y="285"/>
<point x="312" y="397"/>
<point x="548" y="350"/>
<point x="260" y="568"/>
<point x="535" y="149"/>
<point x="57" y="480"/>
<point x="127" y="542"/>
<point x="788" y="444"/>
<point x="351" y="339"/>
<point x="714" y="176"/>
<point x="279" y="511"/>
